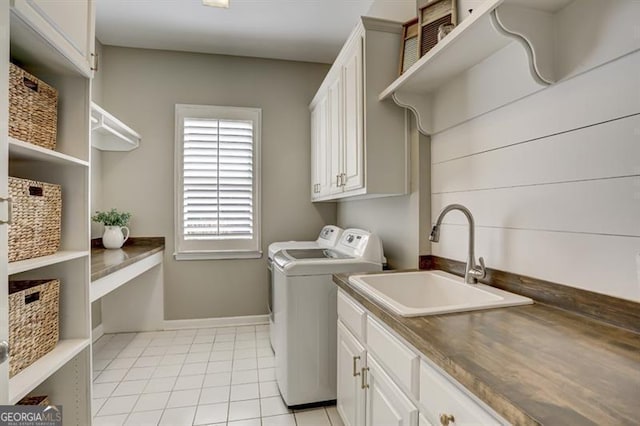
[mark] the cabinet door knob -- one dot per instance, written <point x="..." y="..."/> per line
<point x="446" y="419"/>
<point x="356" y="373"/>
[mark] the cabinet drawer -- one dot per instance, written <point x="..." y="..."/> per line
<point x="351" y="314"/>
<point x="438" y="396"/>
<point x="398" y="360"/>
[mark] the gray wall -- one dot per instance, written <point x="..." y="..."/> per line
<point x="399" y="221"/>
<point x="142" y="87"/>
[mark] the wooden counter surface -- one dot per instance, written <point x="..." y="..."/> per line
<point x="532" y="364"/>
<point x="107" y="261"/>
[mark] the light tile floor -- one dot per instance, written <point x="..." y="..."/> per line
<point x="207" y="376"/>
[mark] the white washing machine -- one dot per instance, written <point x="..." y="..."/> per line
<point x="305" y="314"/>
<point x="328" y="237"/>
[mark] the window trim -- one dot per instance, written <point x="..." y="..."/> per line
<point x="182" y="251"/>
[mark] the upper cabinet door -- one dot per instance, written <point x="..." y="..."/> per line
<point x="353" y="150"/>
<point x="320" y="181"/>
<point x="335" y="135"/>
<point x="67" y="25"/>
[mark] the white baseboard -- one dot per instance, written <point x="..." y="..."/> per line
<point x="216" y="322"/>
<point x="97" y="333"/>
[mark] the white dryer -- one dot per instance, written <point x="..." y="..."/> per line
<point x="328" y="237"/>
<point x="305" y="314"/>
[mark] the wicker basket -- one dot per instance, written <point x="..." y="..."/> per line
<point x="37" y="211"/>
<point x="33" y="109"/>
<point x="33" y="321"/>
<point x="42" y="401"/>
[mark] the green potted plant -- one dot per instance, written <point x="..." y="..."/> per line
<point x="115" y="223"/>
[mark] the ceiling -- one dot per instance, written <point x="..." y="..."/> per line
<point x="301" y="30"/>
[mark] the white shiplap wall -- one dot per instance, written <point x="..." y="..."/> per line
<point x="553" y="181"/>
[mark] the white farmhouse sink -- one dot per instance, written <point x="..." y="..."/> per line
<point x="411" y="294"/>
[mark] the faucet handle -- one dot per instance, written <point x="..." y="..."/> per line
<point x="479" y="271"/>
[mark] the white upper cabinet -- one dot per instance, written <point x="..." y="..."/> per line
<point x="362" y="144"/>
<point x="67" y="25"/>
<point x="352" y="147"/>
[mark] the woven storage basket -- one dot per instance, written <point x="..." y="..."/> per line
<point x="37" y="211"/>
<point x="42" y="401"/>
<point x="33" y="109"/>
<point x="33" y="321"/>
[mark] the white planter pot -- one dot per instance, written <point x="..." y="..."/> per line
<point x="113" y="237"/>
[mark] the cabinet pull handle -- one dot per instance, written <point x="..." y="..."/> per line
<point x="356" y="373"/>
<point x="343" y="178"/>
<point x="9" y="210"/>
<point x="364" y="384"/>
<point x="445" y="419"/>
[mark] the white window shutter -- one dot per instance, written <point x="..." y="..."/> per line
<point x="218" y="184"/>
<point x="218" y="179"/>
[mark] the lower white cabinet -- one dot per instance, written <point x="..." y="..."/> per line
<point x="366" y="394"/>
<point x="351" y="361"/>
<point x="443" y="403"/>
<point x="385" y="403"/>
<point x="384" y="381"/>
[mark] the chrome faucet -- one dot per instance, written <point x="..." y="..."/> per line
<point x="473" y="272"/>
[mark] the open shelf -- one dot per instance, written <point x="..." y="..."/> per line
<point x="39" y="262"/>
<point x="27" y="380"/>
<point x="490" y="28"/>
<point x="19" y="150"/>
<point x="109" y="133"/>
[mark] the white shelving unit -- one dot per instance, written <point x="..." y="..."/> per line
<point x="109" y="133"/>
<point x="64" y="374"/>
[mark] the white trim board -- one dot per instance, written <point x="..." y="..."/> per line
<point x="97" y="333"/>
<point x="216" y="322"/>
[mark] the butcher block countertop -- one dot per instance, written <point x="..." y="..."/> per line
<point x="534" y="364"/>
<point x="105" y="261"/>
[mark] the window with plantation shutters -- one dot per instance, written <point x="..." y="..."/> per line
<point x="217" y="182"/>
